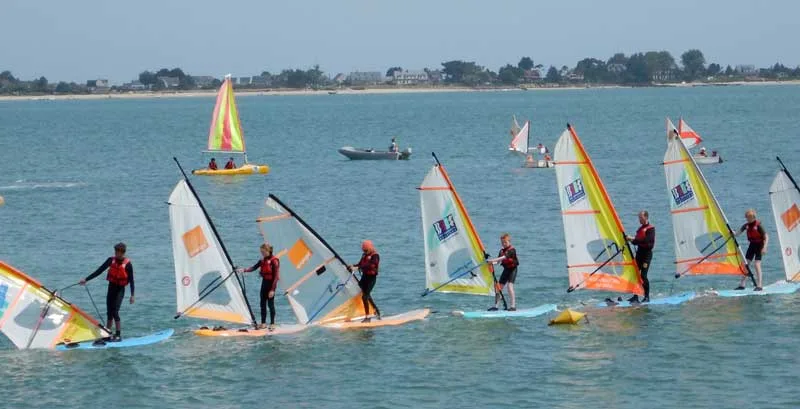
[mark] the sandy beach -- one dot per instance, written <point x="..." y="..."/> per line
<point x="351" y="91"/>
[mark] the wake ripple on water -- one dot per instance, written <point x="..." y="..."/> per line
<point x="23" y="184"/>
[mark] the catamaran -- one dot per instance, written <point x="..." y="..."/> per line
<point x="455" y="257"/>
<point x="784" y="194"/>
<point x="33" y="316"/>
<point x="225" y="135"/>
<point x="318" y="286"/>
<point x="206" y="282"/>
<point x="704" y="241"/>
<point x="691" y="139"/>
<point x="598" y="256"/>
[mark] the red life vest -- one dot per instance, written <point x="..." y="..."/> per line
<point x="269" y="268"/>
<point x="212" y="165"/>
<point x="230" y="165"/>
<point x="753" y="235"/>
<point x="369" y="265"/>
<point x="641" y="234"/>
<point x="509" y="262"/>
<point x="117" y="273"/>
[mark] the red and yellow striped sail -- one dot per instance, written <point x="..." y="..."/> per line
<point x="225" y="133"/>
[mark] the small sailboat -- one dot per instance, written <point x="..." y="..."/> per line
<point x="455" y="257"/>
<point x="225" y="135"/>
<point x="33" y="316"/>
<point x="315" y="279"/>
<point x="519" y="142"/>
<point x="692" y="139"/>
<point x="704" y="241"/>
<point x="598" y="256"/>
<point x="514" y="126"/>
<point x="207" y="284"/>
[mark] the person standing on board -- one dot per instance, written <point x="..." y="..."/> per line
<point x="508" y="259"/>
<point x="369" y="266"/>
<point x="231" y="164"/>
<point x="393" y="147"/>
<point x="644" y="241"/>
<point x="758" y="239"/>
<point x="269" y="267"/>
<point x="120" y="274"/>
<point x="213" y="164"/>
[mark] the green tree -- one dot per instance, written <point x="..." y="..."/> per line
<point x="592" y="69"/>
<point x="40" y="84"/>
<point x="693" y="64"/>
<point x="461" y="72"/>
<point x="552" y="75"/>
<point x="510" y="74"/>
<point x="391" y="71"/>
<point x="147" y="78"/>
<point x="713" y="69"/>
<point x="6" y="76"/>
<point x="526" y="63"/>
<point x="63" y="88"/>
<point x="618" y="58"/>
<point x="637" y="71"/>
<point x="729" y="71"/>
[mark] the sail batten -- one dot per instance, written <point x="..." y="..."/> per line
<point x="454" y="254"/>
<point x="225" y="133"/>
<point x="704" y="241"/>
<point x="598" y="256"/>
<point x="785" y="199"/>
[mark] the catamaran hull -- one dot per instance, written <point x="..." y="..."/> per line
<point x="524" y="313"/>
<point x="371" y="154"/>
<point x="707" y="160"/>
<point x="399" y="319"/>
<point x="780" y="287"/>
<point x="242" y="170"/>
<point x="125" y="343"/>
<point x="671" y="300"/>
<point x="250" y="332"/>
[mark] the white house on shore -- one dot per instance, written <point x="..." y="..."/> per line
<point x="406" y="77"/>
<point x="365" y="78"/>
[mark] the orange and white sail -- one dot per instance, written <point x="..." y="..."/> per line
<point x="31" y="316"/>
<point x="514" y="126"/>
<point x="520" y="141"/>
<point x="314" y="278"/>
<point x="689" y="137"/>
<point x="598" y="256"/>
<point x="785" y="197"/>
<point x="704" y="241"/>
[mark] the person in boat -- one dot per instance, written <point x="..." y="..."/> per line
<point x="758" y="239"/>
<point x="507" y="257"/>
<point x="120" y="274"/>
<point x="645" y="241"/>
<point x="529" y="161"/>
<point x="369" y="266"/>
<point x="393" y="147"/>
<point x="713" y="154"/>
<point x="547" y="157"/>
<point x="231" y="164"/>
<point x="268" y="267"/>
<point x="703" y="151"/>
<point x="212" y="164"/>
<point x="542" y="149"/>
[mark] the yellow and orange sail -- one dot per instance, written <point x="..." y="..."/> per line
<point x="225" y="133"/>
<point x="598" y="256"/>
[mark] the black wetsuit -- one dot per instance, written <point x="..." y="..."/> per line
<point x="755" y="236"/>
<point x="267" y="285"/>
<point x="116" y="293"/>
<point x="644" y="253"/>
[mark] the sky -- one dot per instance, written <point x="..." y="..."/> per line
<point x="79" y="40"/>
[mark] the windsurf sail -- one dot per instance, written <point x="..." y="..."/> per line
<point x="225" y="133"/>
<point x="598" y="256"/>
<point x="514" y="126"/>
<point x="32" y="316"/>
<point x="520" y="141"/>
<point x="689" y="137"/>
<point x="207" y="286"/>
<point x="785" y="196"/>
<point x="455" y="258"/>
<point x="671" y="130"/>
<point x="704" y="241"/>
<point x="314" y="278"/>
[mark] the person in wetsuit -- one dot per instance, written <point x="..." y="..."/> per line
<point x="213" y="164"/>
<point x="758" y="239"/>
<point x="369" y="266"/>
<point x="231" y="164"/>
<point x="507" y="257"/>
<point x="645" y="241"/>
<point x="120" y="274"/>
<point x="269" y="267"/>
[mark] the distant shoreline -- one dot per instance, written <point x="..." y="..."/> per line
<point x="362" y="91"/>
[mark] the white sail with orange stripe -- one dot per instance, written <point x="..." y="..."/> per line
<point x="689" y="137"/>
<point x="31" y="316"/>
<point x="785" y="197"/>
<point x="520" y="141"/>
<point x="704" y="241"/>
<point x="514" y="126"/>
<point x="598" y="256"/>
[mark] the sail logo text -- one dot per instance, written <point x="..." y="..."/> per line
<point x="682" y="193"/>
<point x="445" y="227"/>
<point x="575" y="191"/>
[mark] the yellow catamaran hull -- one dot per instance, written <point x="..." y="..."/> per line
<point x="241" y="170"/>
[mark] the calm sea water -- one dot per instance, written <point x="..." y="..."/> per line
<point x="79" y="176"/>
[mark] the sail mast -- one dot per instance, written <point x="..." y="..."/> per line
<point x="219" y="239"/>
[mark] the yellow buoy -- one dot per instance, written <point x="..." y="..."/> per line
<point x="567" y="317"/>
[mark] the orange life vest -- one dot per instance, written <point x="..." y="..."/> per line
<point x="117" y="273"/>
